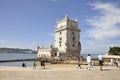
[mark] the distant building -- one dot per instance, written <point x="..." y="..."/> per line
<point x="67" y="40"/>
<point x="50" y="52"/>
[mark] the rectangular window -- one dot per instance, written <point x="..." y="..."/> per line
<point x="60" y="33"/>
<point x="73" y="45"/>
<point x="73" y="38"/>
<point x="73" y="33"/>
<point x="60" y="38"/>
<point x="60" y="44"/>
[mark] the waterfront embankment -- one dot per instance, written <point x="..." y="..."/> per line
<point x="16" y="60"/>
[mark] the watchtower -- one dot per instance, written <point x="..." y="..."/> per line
<point x="67" y="37"/>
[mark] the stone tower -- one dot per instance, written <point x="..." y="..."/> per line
<point x="67" y="36"/>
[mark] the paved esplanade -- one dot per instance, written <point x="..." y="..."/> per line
<point x="59" y="72"/>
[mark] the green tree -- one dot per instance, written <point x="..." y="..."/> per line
<point x="114" y="51"/>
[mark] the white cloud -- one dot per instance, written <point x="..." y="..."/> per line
<point x="107" y="24"/>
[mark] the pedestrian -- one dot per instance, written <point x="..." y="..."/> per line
<point x="119" y="63"/>
<point x="23" y="65"/>
<point x="100" y="58"/>
<point x="43" y="64"/>
<point x="88" y="62"/>
<point x="92" y="63"/>
<point x="34" y="65"/>
<point x="79" y="63"/>
<point x="111" y="62"/>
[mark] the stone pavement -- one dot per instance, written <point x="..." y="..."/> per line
<point x="59" y="72"/>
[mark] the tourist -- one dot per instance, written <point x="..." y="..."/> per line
<point x="92" y="63"/>
<point x="88" y="62"/>
<point x="34" y="65"/>
<point x="79" y="62"/>
<point x="116" y="63"/>
<point x="23" y="65"/>
<point x="111" y="62"/>
<point x="43" y="64"/>
<point x="119" y="63"/>
<point x="100" y="58"/>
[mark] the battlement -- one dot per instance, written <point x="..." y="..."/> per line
<point x="66" y="18"/>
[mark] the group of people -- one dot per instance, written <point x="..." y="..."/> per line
<point x="42" y="63"/>
<point x="114" y="62"/>
<point x="90" y="62"/>
<point x="117" y="63"/>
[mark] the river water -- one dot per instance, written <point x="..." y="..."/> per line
<point x="13" y="56"/>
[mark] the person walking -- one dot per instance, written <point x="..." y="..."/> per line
<point x="43" y="64"/>
<point x="34" y="65"/>
<point x="89" y="62"/>
<point x="79" y="63"/>
<point x="100" y="58"/>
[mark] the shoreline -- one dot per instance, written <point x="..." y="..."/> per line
<point x="17" y="60"/>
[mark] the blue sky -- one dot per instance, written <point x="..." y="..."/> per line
<point x="28" y="23"/>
